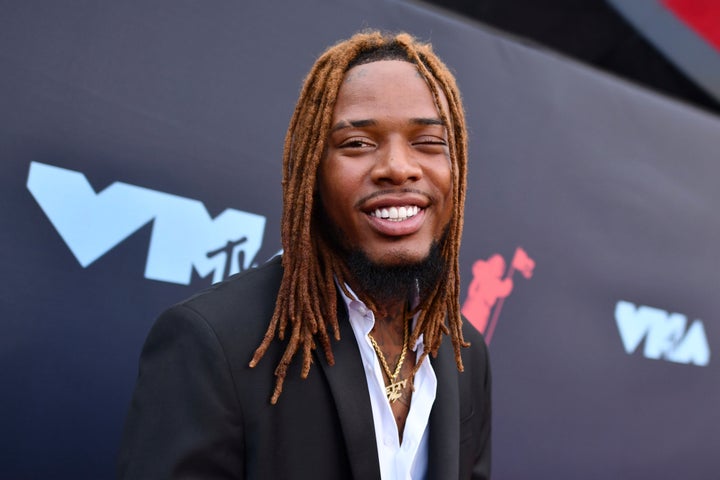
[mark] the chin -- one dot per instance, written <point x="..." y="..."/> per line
<point x="397" y="258"/>
<point x="395" y="273"/>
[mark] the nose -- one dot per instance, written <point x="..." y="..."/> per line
<point x="396" y="164"/>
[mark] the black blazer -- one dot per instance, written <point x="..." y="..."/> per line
<point x="198" y="410"/>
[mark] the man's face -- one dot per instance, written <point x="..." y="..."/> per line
<point x="385" y="182"/>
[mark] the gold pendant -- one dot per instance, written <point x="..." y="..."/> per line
<point x="394" y="390"/>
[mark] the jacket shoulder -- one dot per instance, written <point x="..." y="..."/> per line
<point x="251" y="293"/>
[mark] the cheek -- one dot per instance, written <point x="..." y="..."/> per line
<point x="342" y="180"/>
<point x="326" y="180"/>
<point x="335" y="191"/>
<point x="329" y="192"/>
<point x="444" y="184"/>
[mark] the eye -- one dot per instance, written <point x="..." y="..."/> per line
<point x="430" y="140"/>
<point x="356" y="143"/>
<point x="431" y="145"/>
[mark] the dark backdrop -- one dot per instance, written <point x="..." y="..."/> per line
<point x="593" y="32"/>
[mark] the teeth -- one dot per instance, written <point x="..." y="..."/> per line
<point x="396" y="214"/>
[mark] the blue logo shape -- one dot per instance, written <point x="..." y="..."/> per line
<point x="666" y="336"/>
<point x="184" y="236"/>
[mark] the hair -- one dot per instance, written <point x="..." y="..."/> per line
<point x="306" y="308"/>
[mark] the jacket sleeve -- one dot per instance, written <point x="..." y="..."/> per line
<point x="481" y="469"/>
<point x="478" y="386"/>
<point x="184" y="420"/>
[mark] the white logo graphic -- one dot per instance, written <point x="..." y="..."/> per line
<point x="184" y="236"/>
<point x="666" y="334"/>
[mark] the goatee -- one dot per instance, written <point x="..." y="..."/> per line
<point x="385" y="284"/>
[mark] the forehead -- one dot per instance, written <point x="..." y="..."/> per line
<point x="384" y="88"/>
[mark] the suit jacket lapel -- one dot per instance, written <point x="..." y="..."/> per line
<point x="444" y="423"/>
<point x="352" y="399"/>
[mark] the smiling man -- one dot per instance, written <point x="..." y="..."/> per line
<point x="231" y="382"/>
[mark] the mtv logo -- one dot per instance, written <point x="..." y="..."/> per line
<point x="665" y="334"/>
<point x="184" y="236"/>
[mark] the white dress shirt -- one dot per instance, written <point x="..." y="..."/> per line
<point x="398" y="461"/>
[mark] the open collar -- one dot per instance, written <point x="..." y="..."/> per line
<point x="352" y="400"/>
<point x="349" y="389"/>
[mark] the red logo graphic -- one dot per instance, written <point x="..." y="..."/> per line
<point x="701" y="15"/>
<point x="489" y="288"/>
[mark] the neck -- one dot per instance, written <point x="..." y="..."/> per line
<point x="393" y="312"/>
<point x="385" y="306"/>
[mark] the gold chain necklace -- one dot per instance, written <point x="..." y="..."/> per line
<point x="394" y="390"/>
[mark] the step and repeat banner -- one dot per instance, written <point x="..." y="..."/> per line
<point x="141" y="160"/>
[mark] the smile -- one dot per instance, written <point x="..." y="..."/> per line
<point x="396" y="214"/>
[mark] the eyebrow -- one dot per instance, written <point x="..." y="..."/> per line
<point x="352" y="123"/>
<point x="427" y="121"/>
<point x="368" y="123"/>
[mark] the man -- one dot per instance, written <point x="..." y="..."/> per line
<point x="373" y="184"/>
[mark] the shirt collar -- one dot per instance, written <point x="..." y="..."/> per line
<point x="364" y="317"/>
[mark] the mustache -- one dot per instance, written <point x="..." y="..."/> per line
<point x="391" y="191"/>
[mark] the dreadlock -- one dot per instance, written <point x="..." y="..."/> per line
<point x="307" y="301"/>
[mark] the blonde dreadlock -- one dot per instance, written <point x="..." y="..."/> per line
<point x="307" y="300"/>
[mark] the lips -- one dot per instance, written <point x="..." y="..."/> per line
<point x="396" y="213"/>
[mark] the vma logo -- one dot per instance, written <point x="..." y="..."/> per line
<point x="666" y="335"/>
<point x="490" y="286"/>
<point x="184" y="236"/>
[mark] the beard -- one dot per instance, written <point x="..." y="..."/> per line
<point x="390" y="283"/>
<point x="385" y="283"/>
